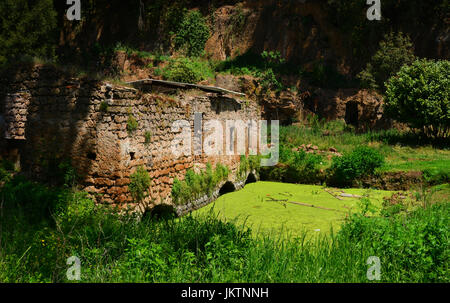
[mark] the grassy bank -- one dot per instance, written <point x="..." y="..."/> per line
<point x="41" y="227"/>
<point x="402" y="151"/>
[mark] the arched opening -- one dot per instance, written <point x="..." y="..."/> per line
<point x="160" y="212"/>
<point x="228" y="187"/>
<point x="351" y="113"/>
<point x="250" y="179"/>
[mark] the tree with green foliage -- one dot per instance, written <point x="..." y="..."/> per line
<point x="27" y="28"/>
<point x="419" y="96"/>
<point x="362" y="161"/>
<point x="192" y="34"/>
<point x="394" y="51"/>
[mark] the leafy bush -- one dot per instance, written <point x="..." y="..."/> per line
<point x="27" y="29"/>
<point x="269" y="81"/>
<point x="140" y="183"/>
<point x="362" y="161"/>
<point x="436" y="176"/>
<point x="187" y="70"/>
<point x="294" y="167"/>
<point x="394" y="51"/>
<point x="192" y="34"/>
<point x="419" y="96"/>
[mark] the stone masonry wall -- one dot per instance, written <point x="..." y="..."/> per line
<point x="48" y="117"/>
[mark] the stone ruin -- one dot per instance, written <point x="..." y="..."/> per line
<point x="47" y="117"/>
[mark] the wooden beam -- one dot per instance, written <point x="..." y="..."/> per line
<point x="213" y="89"/>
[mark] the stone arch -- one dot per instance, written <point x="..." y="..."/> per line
<point x="251" y="178"/>
<point x="160" y="212"/>
<point x="227" y="187"/>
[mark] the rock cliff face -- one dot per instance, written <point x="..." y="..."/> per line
<point x="50" y="117"/>
<point x="303" y="31"/>
<point x="309" y="34"/>
<point x="299" y="30"/>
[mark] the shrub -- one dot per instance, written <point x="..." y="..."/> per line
<point x="192" y="34"/>
<point x="394" y="51"/>
<point x="140" y="182"/>
<point x="436" y="176"/>
<point x="187" y="70"/>
<point x="419" y="96"/>
<point x="362" y="161"/>
<point x="294" y="167"/>
<point x="269" y="81"/>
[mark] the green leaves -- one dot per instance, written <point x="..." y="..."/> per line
<point x="192" y="34"/>
<point x="140" y="182"/>
<point x="194" y="185"/>
<point x="188" y="70"/>
<point x="27" y="30"/>
<point x="419" y="96"/>
<point x="394" y="51"/>
<point x="362" y="161"/>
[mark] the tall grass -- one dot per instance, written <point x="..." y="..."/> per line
<point x="41" y="227"/>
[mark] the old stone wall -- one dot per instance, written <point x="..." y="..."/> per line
<point x="105" y="131"/>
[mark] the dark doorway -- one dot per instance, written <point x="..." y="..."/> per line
<point x="250" y="179"/>
<point x="228" y="187"/>
<point x="351" y="113"/>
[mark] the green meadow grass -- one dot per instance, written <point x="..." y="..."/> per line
<point x="41" y="227"/>
<point x="401" y="151"/>
<point x="254" y="206"/>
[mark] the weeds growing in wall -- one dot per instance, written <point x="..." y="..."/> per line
<point x="195" y="185"/>
<point x="140" y="184"/>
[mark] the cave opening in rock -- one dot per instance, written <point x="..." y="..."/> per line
<point x="228" y="187"/>
<point x="351" y="113"/>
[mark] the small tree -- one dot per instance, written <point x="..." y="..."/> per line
<point x="192" y="34"/>
<point x="419" y="96"/>
<point x="394" y="51"/>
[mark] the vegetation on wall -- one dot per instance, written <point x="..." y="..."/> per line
<point x="132" y="124"/>
<point x="195" y="185"/>
<point x="140" y="184"/>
